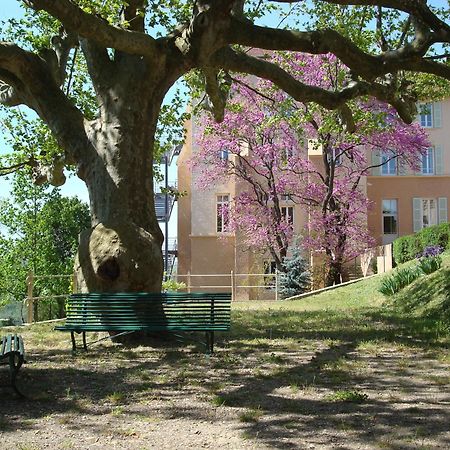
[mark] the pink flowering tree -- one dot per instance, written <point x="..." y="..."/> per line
<point x="263" y="145"/>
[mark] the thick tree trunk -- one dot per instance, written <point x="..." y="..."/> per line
<point x="122" y="250"/>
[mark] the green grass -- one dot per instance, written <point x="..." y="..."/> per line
<point x="429" y="297"/>
<point x="357" y="312"/>
<point x="348" y="397"/>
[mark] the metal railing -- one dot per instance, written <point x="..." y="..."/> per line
<point x="240" y="285"/>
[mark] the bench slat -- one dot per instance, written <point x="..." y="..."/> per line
<point x="141" y="311"/>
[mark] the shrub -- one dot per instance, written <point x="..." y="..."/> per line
<point x="401" y="278"/>
<point x="389" y="286"/>
<point x="296" y="279"/>
<point x="172" y="285"/>
<point x="407" y="248"/>
<point x="430" y="264"/>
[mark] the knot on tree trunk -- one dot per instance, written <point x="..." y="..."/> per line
<point x="118" y="256"/>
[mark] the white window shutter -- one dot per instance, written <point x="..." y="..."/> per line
<point x="402" y="167"/>
<point x="437" y="115"/>
<point x="442" y="208"/>
<point x="417" y="214"/>
<point x="375" y="160"/>
<point x="438" y="160"/>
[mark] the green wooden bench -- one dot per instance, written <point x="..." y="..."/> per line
<point x="126" y="313"/>
<point x="12" y="350"/>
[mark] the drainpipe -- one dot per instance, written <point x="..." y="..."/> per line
<point x="166" y="216"/>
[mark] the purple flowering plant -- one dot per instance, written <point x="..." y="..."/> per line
<point x="431" y="251"/>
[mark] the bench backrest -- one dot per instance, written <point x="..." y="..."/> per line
<point x="11" y="343"/>
<point x="156" y="311"/>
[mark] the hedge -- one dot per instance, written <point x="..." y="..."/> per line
<point x="408" y="247"/>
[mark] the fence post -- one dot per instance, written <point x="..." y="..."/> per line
<point x="232" y="285"/>
<point x="189" y="281"/>
<point x="276" y="284"/>
<point x="30" y="286"/>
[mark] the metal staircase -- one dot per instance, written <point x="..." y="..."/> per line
<point x="164" y="203"/>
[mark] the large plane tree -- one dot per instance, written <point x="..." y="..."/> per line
<point x="130" y="53"/>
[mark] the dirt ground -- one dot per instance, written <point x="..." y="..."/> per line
<point x="310" y="388"/>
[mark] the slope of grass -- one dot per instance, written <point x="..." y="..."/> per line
<point x="429" y="296"/>
<point x="353" y="296"/>
<point x="358" y="313"/>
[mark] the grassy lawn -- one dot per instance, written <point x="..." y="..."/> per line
<point x="338" y="370"/>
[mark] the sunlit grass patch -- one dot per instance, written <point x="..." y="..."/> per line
<point x="116" y="398"/>
<point x="348" y="396"/>
<point x="251" y="415"/>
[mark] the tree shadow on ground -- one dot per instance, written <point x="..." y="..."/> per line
<point x="282" y="364"/>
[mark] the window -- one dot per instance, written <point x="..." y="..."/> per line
<point x="287" y="213"/>
<point x="428" y="162"/>
<point x="222" y="213"/>
<point x="426" y="115"/>
<point x="270" y="269"/>
<point x="389" y="166"/>
<point x="224" y="154"/>
<point x="429" y="212"/>
<point x="285" y="197"/>
<point x="335" y="156"/>
<point x="390" y="216"/>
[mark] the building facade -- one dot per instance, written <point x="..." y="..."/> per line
<point x="403" y="202"/>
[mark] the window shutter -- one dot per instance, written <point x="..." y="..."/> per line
<point x="376" y="160"/>
<point x="437" y="115"/>
<point x="417" y="214"/>
<point x="442" y="210"/>
<point x="438" y="160"/>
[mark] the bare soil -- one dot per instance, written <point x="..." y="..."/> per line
<point x="298" y="388"/>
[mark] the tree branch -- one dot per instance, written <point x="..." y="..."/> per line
<point x="92" y="27"/>
<point x="417" y="8"/>
<point x="241" y="62"/>
<point x="35" y="83"/>
<point x="9" y="94"/>
<point x="6" y="170"/>
<point x="100" y="67"/>
<point x="134" y="13"/>
<point x="217" y="95"/>
<point x="369" y="67"/>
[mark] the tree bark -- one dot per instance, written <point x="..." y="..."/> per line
<point x="122" y="250"/>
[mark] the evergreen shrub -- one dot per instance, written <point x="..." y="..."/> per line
<point x="297" y="278"/>
<point x="408" y="247"/>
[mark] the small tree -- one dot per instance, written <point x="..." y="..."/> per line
<point x="265" y="134"/>
<point x="40" y="233"/>
<point x="296" y="277"/>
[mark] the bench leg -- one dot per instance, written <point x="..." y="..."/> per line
<point x="84" y="340"/>
<point x="209" y="342"/>
<point x="14" y="369"/>
<point x="74" y="344"/>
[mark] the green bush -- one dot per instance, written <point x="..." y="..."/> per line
<point x="389" y="286"/>
<point x="407" y="248"/>
<point x="399" y="279"/>
<point x="430" y="264"/>
<point x="172" y="286"/>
